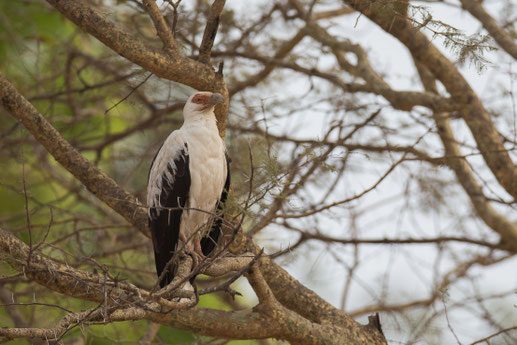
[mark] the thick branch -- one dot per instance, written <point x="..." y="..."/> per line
<point x="89" y="286"/>
<point x="224" y="265"/>
<point x="48" y="334"/>
<point x="73" y="282"/>
<point x="174" y="67"/>
<point x="303" y="301"/>
<point x="261" y="288"/>
<point x="244" y="324"/>
<point x="307" y="331"/>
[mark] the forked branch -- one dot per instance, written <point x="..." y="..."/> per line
<point x="210" y="31"/>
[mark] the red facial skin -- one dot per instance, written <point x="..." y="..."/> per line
<point x="205" y="100"/>
<point x="202" y="99"/>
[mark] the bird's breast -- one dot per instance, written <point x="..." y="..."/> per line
<point x="208" y="175"/>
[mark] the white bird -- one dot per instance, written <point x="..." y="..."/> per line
<point x="188" y="183"/>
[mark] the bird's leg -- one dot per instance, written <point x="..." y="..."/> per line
<point x="197" y="248"/>
<point x="193" y="250"/>
<point x="197" y="252"/>
<point x="196" y="257"/>
<point x="186" y="244"/>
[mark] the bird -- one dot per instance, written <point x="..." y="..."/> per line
<point x="188" y="183"/>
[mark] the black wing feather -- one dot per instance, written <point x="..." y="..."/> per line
<point x="208" y="243"/>
<point x="165" y="224"/>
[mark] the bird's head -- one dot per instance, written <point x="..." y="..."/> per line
<point x="202" y="102"/>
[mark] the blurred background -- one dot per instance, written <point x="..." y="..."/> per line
<point x="334" y="148"/>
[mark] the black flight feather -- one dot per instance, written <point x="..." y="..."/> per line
<point x="165" y="223"/>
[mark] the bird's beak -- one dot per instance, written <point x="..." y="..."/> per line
<point x="217" y="98"/>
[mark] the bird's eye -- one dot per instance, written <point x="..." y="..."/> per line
<point x="196" y="99"/>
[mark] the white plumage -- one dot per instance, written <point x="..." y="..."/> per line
<point x="188" y="179"/>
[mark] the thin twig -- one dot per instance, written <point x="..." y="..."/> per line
<point x="174" y="6"/>
<point x="447" y="318"/>
<point x="27" y="213"/>
<point x="129" y="94"/>
<point x="487" y="339"/>
<point x="51" y="221"/>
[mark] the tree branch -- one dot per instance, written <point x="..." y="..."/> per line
<point x="160" y="24"/>
<point x="402" y="100"/>
<point x="210" y="31"/>
<point x="303" y="301"/>
<point x="473" y="112"/>
<point x="500" y="224"/>
<point x="395" y="241"/>
<point x="504" y="39"/>
<point x="171" y="65"/>
<point x="244" y="324"/>
<point x="126" y="302"/>
<point x="136" y="303"/>
<point x="101" y="185"/>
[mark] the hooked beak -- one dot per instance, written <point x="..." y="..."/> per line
<point x="217" y="98"/>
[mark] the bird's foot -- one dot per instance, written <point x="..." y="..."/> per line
<point x="198" y="250"/>
<point x="195" y="252"/>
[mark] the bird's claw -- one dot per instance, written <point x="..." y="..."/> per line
<point x="195" y="252"/>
